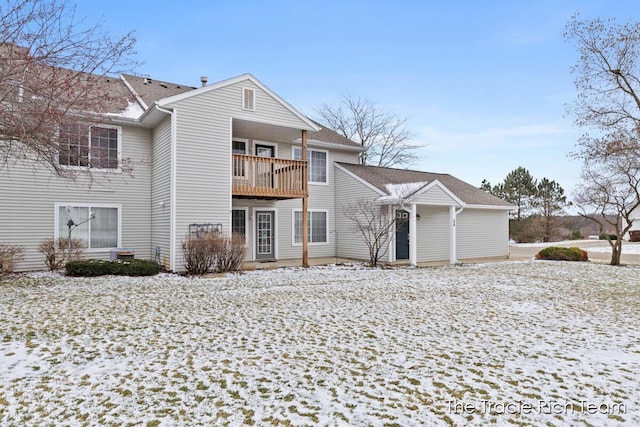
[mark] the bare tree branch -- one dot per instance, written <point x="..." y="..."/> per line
<point x="608" y="101"/>
<point x="384" y="136"/>
<point x="54" y="70"/>
<point x="375" y="224"/>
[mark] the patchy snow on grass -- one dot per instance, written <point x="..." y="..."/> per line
<point x="524" y="343"/>
<point x="576" y="243"/>
<point x="627" y="248"/>
<point x="601" y="246"/>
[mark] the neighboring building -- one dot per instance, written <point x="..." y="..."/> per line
<point x="635" y="227"/>
<point x="229" y="155"/>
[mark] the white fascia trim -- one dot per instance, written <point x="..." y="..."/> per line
<point x="494" y="207"/>
<point x="133" y="92"/>
<point x="310" y="125"/>
<point x="246" y="151"/>
<point x="172" y="208"/>
<point x="331" y="145"/>
<point x="440" y="185"/>
<point x="360" y="180"/>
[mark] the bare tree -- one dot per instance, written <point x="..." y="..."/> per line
<point x="54" y="73"/>
<point x="610" y="191"/>
<point x="375" y="225"/>
<point x="608" y="102"/>
<point x="384" y="135"/>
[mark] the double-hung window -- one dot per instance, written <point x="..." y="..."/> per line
<point x="98" y="226"/>
<point x="318" y="164"/>
<point x="318" y="226"/>
<point x="84" y="146"/>
<point x="239" y="166"/>
<point x="239" y="222"/>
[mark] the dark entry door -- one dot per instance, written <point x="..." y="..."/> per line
<point x="402" y="235"/>
<point x="265" y="235"/>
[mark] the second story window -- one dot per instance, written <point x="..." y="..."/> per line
<point x="89" y="146"/>
<point x="239" y="147"/>
<point x="318" y="164"/>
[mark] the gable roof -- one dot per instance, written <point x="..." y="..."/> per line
<point x="150" y="90"/>
<point x="147" y="91"/>
<point x="311" y="126"/>
<point x="329" y="135"/>
<point x="380" y="178"/>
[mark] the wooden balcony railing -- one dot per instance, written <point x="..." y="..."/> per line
<point x="268" y="177"/>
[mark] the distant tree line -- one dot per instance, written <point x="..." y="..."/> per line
<point x="538" y="204"/>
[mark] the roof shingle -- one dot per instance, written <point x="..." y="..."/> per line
<point x="151" y="90"/>
<point x="379" y="177"/>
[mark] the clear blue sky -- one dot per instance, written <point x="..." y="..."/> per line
<point x="484" y="84"/>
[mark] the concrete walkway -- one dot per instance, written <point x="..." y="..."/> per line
<point x="526" y="251"/>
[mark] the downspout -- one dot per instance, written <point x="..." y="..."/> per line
<point x="391" y="247"/>
<point x="453" y="255"/>
<point x="413" y="235"/>
<point x="172" y="203"/>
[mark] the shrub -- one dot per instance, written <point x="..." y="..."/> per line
<point x="9" y="255"/>
<point x="603" y="236"/>
<point x="557" y="253"/>
<point x="576" y="235"/>
<point x="97" y="267"/>
<point x="199" y="253"/>
<point x="213" y="252"/>
<point x="56" y="252"/>
<point x="231" y="251"/>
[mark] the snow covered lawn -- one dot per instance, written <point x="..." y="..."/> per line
<point x="523" y="343"/>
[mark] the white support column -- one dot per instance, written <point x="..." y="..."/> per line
<point x="391" y="246"/>
<point x="413" y="236"/>
<point x="452" y="235"/>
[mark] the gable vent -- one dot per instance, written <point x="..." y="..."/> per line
<point x="248" y="99"/>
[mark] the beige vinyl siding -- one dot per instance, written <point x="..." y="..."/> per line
<point x="161" y="192"/>
<point x="433" y="234"/>
<point x="482" y="233"/>
<point x="348" y="191"/>
<point x="321" y="197"/>
<point x="434" y="196"/>
<point x="202" y="173"/>
<point x="203" y="158"/>
<point x="267" y="108"/>
<point x="29" y="192"/>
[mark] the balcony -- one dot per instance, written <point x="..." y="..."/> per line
<point x="268" y="178"/>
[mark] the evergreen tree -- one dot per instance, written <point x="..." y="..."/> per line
<point x="549" y="202"/>
<point x="519" y="188"/>
<point x="486" y="186"/>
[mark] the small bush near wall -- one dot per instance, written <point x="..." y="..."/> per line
<point x="556" y="253"/>
<point x="9" y="256"/>
<point x="96" y="267"/>
<point x="213" y="252"/>
<point x="231" y="253"/>
<point x="56" y="252"/>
